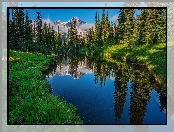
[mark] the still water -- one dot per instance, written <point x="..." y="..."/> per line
<point x="108" y="92"/>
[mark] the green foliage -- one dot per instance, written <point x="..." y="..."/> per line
<point x="121" y="26"/>
<point x="153" y="56"/>
<point x="29" y="98"/>
<point x="28" y="36"/>
<point x="162" y="27"/>
<point x="150" y="27"/>
<point x="72" y="37"/>
<point x="38" y="31"/>
<point x="138" y="36"/>
<point x="25" y="36"/>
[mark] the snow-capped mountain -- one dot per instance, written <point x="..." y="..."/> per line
<point x="78" y="22"/>
<point x="70" y="22"/>
<point x="64" y="26"/>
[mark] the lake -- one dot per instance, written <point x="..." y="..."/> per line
<point x="108" y="92"/>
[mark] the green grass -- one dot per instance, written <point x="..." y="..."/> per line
<point x="29" y="99"/>
<point x="153" y="56"/>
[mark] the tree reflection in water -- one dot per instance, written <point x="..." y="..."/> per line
<point x="119" y="71"/>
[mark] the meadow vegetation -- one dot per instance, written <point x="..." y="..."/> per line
<point x="30" y="101"/>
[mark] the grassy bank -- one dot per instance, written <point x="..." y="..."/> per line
<point x="29" y="99"/>
<point x="153" y="56"/>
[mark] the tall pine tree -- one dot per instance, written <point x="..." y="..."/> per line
<point x="121" y="26"/>
<point x="138" y="37"/>
<point x="129" y="25"/>
<point x="39" y="31"/>
<point x="21" y="28"/>
<point x="28" y="37"/>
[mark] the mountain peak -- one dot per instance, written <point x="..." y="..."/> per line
<point x="75" y="17"/>
<point x="78" y="21"/>
<point x="64" y="26"/>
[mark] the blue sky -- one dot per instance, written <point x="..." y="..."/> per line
<point x="87" y="15"/>
<point x="64" y="15"/>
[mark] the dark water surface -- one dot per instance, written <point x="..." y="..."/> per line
<point x="108" y="92"/>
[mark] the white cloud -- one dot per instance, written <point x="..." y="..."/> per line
<point x="55" y="27"/>
<point x="47" y="22"/>
<point x="114" y="18"/>
<point x="87" y="26"/>
<point x="64" y="29"/>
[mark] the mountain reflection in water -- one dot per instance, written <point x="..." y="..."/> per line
<point x="65" y="70"/>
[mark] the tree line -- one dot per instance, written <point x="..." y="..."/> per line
<point x="147" y="28"/>
<point x="25" y="35"/>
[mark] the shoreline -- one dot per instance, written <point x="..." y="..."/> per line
<point x="130" y="56"/>
<point x="29" y="89"/>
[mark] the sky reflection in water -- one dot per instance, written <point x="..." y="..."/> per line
<point x="127" y="97"/>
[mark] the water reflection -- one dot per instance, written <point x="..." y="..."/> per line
<point x="133" y="87"/>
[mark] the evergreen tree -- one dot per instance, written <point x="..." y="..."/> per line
<point x="104" y="27"/>
<point x="45" y="37"/>
<point x="39" y="31"/>
<point x="125" y="25"/>
<point x="129" y="25"/>
<point x="96" y="31"/>
<point x="53" y="39"/>
<point x="159" y="26"/>
<point x="28" y="34"/>
<point x="21" y="29"/>
<point x="111" y="34"/>
<point x="72" y="36"/>
<point x="152" y="26"/>
<point x="121" y="26"/>
<point x="49" y="39"/>
<point x="93" y="36"/>
<point x="138" y="37"/>
<point x="103" y="19"/>
<point x="107" y="28"/>
<point x="59" y="40"/>
<point x="162" y="27"/>
<point x="90" y="37"/>
<point x="65" y="45"/>
<point x="11" y="33"/>
<point x="150" y="31"/>
<point x="96" y="18"/>
<point x="74" y="33"/>
<point x="34" y="34"/>
<point x="16" y="29"/>
<point x="115" y="32"/>
<point x="99" y="40"/>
